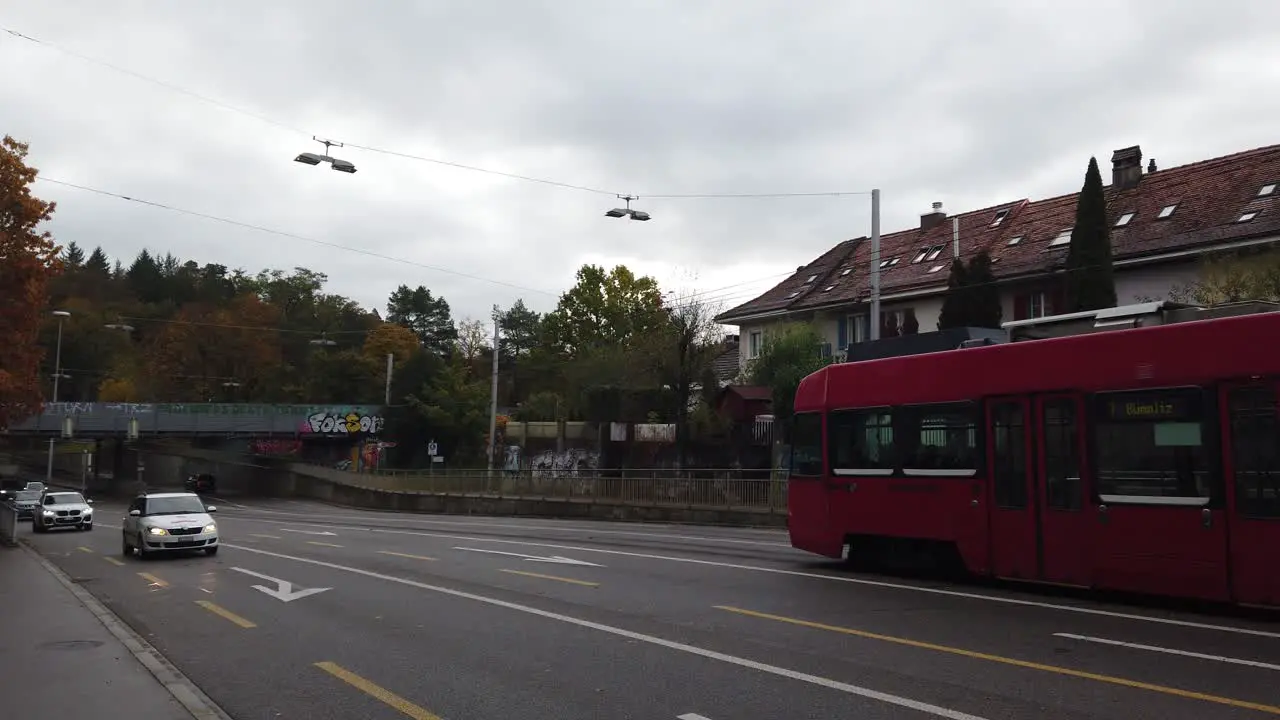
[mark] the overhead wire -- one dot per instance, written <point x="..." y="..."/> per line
<point x="412" y="156"/>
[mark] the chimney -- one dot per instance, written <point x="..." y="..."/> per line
<point x="931" y="220"/>
<point x="1126" y="168"/>
<point x="1151" y="166"/>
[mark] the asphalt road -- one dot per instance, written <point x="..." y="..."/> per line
<point x="486" y="619"/>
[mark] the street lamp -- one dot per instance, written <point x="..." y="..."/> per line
<point x="322" y="342"/>
<point x="307" y="158"/>
<point x="627" y="211"/>
<point x="57" y="375"/>
<point x="119" y="326"/>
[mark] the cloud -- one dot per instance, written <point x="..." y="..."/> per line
<point x="972" y="105"/>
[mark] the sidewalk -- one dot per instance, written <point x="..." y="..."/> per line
<point x="65" y="655"/>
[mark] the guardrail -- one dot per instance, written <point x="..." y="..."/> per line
<point x="720" y="493"/>
<point x="8" y="524"/>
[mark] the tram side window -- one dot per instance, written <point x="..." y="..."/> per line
<point x="861" y="440"/>
<point x="1255" y="450"/>
<point x="806" y="444"/>
<point x="939" y="439"/>
<point x="1153" y="444"/>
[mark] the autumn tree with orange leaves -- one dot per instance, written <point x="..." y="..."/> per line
<point x="28" y="258"/>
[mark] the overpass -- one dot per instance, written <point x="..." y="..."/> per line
<point x="104" y="420"/>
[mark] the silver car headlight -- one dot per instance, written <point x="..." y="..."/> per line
<point x="47" y="513"/>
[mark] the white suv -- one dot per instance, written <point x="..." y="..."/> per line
<point x="169" y="521"/>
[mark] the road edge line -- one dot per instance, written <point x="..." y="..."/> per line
<point x="190" y="696"/>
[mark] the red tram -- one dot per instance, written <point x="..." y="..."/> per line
<point x="1144" y="460"/>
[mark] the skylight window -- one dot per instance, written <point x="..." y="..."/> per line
<point x="889" y="263"/>
<point x="793" y="295"/>
<point x="1064" y="238"/>
<point x="1267" y="190"/>
<point x="811" y="279"/>
<point x="936" y="268"/>
<point x="920" y="255"/>
<point x="1015" y="241"/>
<point x="1124" y="219"/>
<point x="828" y="288"/>
<point x="846" y="271"/>
<point x="1167" y="211"/>
<point x="934" y="252"/>
<point x="1247" y="216"/>
<point x="1000" y="216"/>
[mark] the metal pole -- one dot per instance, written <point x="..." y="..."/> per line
<point x="875" y="265"/>
<point x="387" y="396"/>
<point x="493" y="396"/>
<point x="57" y="375"/>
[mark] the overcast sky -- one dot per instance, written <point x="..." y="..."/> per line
<point x="967" y="102"/>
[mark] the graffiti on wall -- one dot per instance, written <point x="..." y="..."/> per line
<point x="566" y="463"/>
<point x="355" y="422"/>
<point x="275" y="447"/>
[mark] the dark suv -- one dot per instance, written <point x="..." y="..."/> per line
<point x="202" y="483"/>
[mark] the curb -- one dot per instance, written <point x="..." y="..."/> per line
<point x="179" y="686"/>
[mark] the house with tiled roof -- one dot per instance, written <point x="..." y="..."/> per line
<point x="1163" y="222"/>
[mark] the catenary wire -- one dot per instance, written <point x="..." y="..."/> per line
<point x="407" y="155"/>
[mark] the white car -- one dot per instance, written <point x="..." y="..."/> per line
<point x="160" y="522"/>
<point x="62" y="509"/>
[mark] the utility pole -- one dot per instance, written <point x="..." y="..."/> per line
<point x="386" y="399"/>
<point x="493" y="398"/>
<point x="875" y="265"/>
<point x="57" y="375"/>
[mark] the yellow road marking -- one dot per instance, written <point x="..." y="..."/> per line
<point x="84" y="549"/>
<point x="552" y="577"/>
<point x="226" y="614"/>
<point x="386" y="696"/>
<point x="113" y="561"/>
<point x="405" y="555"/>
<point x="272" y="537"/>
<point x="1110" y="679"/>
<point x="153" y="580"/>
<point x="313" y="542"/>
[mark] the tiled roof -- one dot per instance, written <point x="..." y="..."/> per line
<point x="1210" y="198"/>
<point x="726" y="366"/>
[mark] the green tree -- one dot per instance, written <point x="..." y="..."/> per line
<point x="73" y="256"/>
<point x="146" y="279"/>
<point x="98" y="263"/>
<point x="984" y="309"/>
<point x="1234" y="277"/>
<point x="604" y="309"/>
<point x="955" y="304"/>
<point x="455" y="408"/>
<point x="679" y="353"/>
<point x="426" y="315"/>
<point x="1089" y="276"/>
<point x="791" y="352"/>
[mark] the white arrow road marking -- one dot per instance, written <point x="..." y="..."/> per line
<point x="692" y="716"/>
<point x="284" y="591"/>
<point x="308" y="532"/>
<point x="1169" y="651"/>
<point x="536" y="558"/>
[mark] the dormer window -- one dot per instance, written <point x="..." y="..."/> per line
<point x="1267" y="190"/>
<point x="1167" y="211"/>
<point x="1247" y="216"/>
<point x="1015" y="241"/>
<point x="1064" y="238"/>
<point x="1000" y="216"/>
<point x="1124" y="219"/>
<point x="920" y="255"/>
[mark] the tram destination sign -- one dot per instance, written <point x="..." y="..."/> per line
<point x="1160" y="406"/>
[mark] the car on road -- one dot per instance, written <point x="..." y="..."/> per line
<point x="26" y="502"/>
<point x="201" y="483"/>
<point x="62" y="509"/>
<point x="165" y="522"/>
<point x="35" y="485"/>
